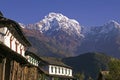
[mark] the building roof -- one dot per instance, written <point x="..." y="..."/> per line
<point x="15" y="29"/>
<point x="48" y="60"/>
<point x="54" y="61"/>
<point x="1" y="13"/>
<point x="32" y="54"/>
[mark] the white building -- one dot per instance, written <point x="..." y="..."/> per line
<point x="59" y="70"/>
<point x="12" y="36"/>
<point x="55" y="69"/>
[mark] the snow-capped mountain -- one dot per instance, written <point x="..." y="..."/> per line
<point x="22" y="25"/>
<point x="55" y="22"/>
<point x="57" y="35"/>
<point x="57" y="32"/>
<point x="105" y="38"/>
<point x="110" y="26"/>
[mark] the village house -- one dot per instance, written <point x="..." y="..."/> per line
<point x="51" y="68"/>
<point x="55" y="69"/>
<point x="13" y="45"/>
<point x="12" y="36"/>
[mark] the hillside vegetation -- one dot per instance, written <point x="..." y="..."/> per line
<point x="90" y="64"/>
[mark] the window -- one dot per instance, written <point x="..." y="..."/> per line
<point x="16" y="44"/>
<point x="59" y="69"/>
<point x="29" y="59"/>
<point x="7" y="33"/>
<point x="62" y="71"/>
<point x="65" y="71"/>
<point x="69" y="71"/>
<point x="11" y="42"/>
<point x="51" y="69"/>
<point x="37" y="63"/>
<point x="33" y="61"/>
<point x="55" y="69"/>
<point x="21" y="49"/>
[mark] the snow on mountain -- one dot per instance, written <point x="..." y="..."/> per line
<point x="63" y="35"/>
<point x="22" y="25"/>
<point x="105" y="38"/>
<point x="113" y="23"/>
<point x="104" y="29"/>
<point x="56" y="22"/>
<point x="110" y="26"/>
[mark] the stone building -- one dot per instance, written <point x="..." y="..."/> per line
<point x="13" y="45"/>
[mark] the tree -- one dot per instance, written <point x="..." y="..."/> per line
<point x="114" y="69"/>
<point x="79" y="76"/>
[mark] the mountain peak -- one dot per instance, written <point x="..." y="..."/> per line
<point x="112" y="23"/>
<point x="58" y="16"/>
<point x="110" y="26"/>
<point x="57" y="22"/>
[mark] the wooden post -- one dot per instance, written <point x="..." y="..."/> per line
<point x="12" y="70"/>
<point x="3" y="72"/>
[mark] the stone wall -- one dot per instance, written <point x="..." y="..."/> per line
<point x="23" y="72"/>
<point x="17" y="71"/>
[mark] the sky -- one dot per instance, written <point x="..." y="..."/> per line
<point x="86" y="12"/>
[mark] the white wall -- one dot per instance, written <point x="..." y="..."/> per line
<point x="6" y="40"/>
<point x="68" y="73"/>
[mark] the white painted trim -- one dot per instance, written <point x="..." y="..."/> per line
<point x="32" y="60"/>
<point x="53" y="67"/>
